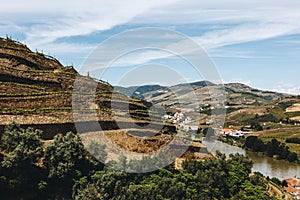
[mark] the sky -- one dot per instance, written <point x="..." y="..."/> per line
<point x="252" y="42"/>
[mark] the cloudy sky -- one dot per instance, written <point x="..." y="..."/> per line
<point x="253" y="42"/>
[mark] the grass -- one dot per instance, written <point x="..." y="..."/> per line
<point x="241" y="117"/>
<point x="293" y="114"/>
<point x="272" y="125"/>
<point x="36" y="71"/>
<point x="23" y="85"/>
<point x="278" y="112"/>
<point x="23" y="48"/>
<point x="49" y="110"/>
<point x="35" y="94"/>
<point x="18" y="46"/>
<point x="39" y="110"/>
<point x="281" y="135"/>
<point x="38" y="94"/>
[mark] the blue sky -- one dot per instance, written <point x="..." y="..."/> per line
<point x="254" y="42"/>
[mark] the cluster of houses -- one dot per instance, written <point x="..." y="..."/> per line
<point x="293" y="187"/>
<point x="183" y="121"/>
<point x="176" y="118"/>
<point x="232" y="132"/>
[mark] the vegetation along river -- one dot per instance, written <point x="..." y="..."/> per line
<point x="261" y="163"/>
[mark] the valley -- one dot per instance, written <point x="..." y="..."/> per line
<point x="37" y="91"/>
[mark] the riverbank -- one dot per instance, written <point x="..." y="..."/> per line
<point x="283" y="135"/>
<point x="273" y="149"/>
<point x="261" y="163"/>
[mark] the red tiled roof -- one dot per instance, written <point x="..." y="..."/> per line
<point x="290" y="189"/>
<point x="292" y="183"/>
<point x="228" y="130"/>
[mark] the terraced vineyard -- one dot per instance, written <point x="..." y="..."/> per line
<point x="37" y="90"/>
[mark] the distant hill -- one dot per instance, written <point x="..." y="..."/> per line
<point x="242" y="88"/>
<point x="150" y="92"/>
<point x="136" y="91"/>
<point x="243" y="103"/>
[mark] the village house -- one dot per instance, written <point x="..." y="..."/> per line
<point x="233" y="132"/>
<point x="293" y="187"/>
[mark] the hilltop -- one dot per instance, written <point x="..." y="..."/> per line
<point x="37" y="90"/>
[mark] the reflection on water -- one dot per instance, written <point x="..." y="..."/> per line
<point x="263" y="164"/>
<point x="274" y="168"/>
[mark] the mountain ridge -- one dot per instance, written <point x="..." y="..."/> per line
<point x="234" y="87"/>
<point x="243" y="104"/>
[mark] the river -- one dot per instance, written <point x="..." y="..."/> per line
<point x="261" y="163"/>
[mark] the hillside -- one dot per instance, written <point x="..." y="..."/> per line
<point x="243" y="104"/>
<point x="37" y="90"/>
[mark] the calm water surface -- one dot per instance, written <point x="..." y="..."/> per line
<point x="263" y="164"/>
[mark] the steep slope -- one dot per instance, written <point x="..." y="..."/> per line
<point x="33" y="83"/>
<point x="37" y="90"/>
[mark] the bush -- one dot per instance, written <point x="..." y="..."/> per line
<point x="271" y="148"/>
<point x="293" y="140"/>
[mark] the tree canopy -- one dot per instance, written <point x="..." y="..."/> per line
<point x="64" y="169"/>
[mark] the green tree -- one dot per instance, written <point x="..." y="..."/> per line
<point x="111" y="184"/>
<point x="256" y="126"/>
<point x="23" y="149"/>
<point x="64" y="156"/>
<point x="65" y="160"/>
<point x="88" y="193"/>
<point x="239" y="168"/>
<point x="252" y="192"/>
<point x="83" y="190"/>
<point x="292" y="157"/>
<point x="272" y="147"/>
<point x="255" y="144"/>
<point x="21" y="146"/>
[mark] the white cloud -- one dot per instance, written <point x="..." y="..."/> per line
<point x="51" y="20"/>
<point x="230" y="53"/>
<point x="140" y="58"/>
<point x="245" y="21"/>
<point x="288" y="88"/>
<point x="244" y="33"/>
<point x="55" y="19"/>
<point x="42" y="23"/>
<point x="233" y="11"/>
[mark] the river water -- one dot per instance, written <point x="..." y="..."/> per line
<point x="261" y="163"/>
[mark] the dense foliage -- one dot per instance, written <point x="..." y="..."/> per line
<point x="63" y="169"/>
<point x="272" y="148"/>
<point x="32" y="170"/>
<point x="216" y="178"/>
<point x="293" y="140"/>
